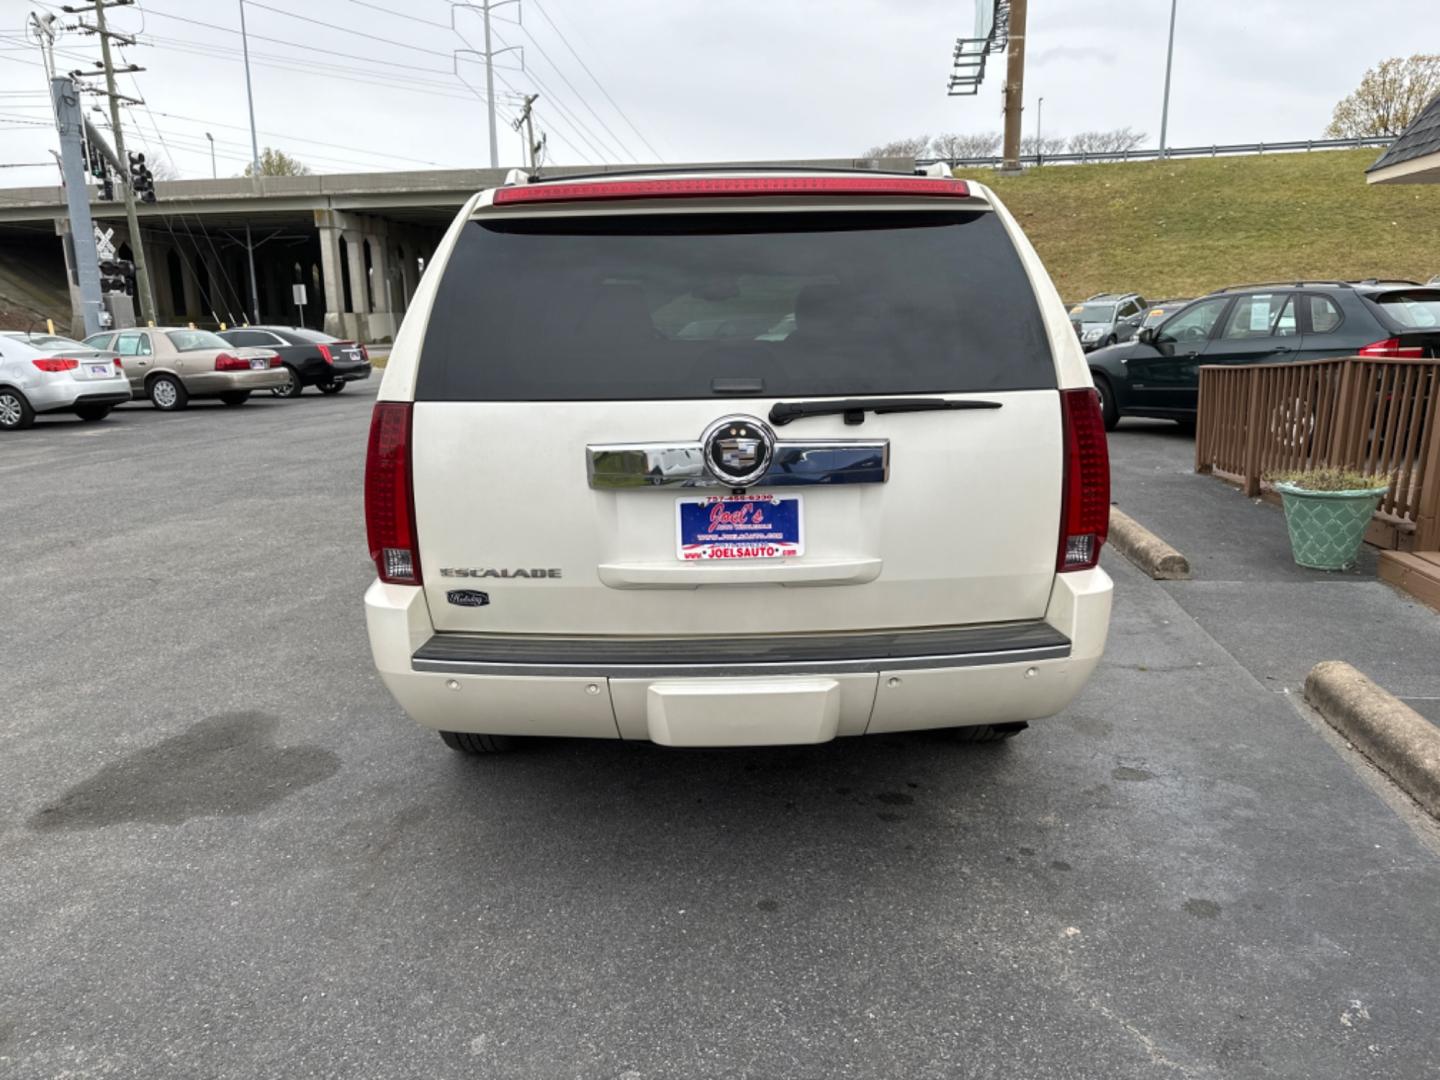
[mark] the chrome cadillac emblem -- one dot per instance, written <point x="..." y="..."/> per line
<point x="738" y="449"/>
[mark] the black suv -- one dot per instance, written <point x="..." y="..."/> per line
<point x="1158" y="374"/>
<point x="310" y="357"/>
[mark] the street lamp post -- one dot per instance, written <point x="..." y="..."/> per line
<point x="1039" y="129"/>
<point x="254" y="160"/>
<point x="213" y="174"/>
<point x="1169" y="58"/>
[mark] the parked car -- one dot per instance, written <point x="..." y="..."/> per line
<point x="1107" y="318"/>
<point x="310" y="357"/>
<point x="1158" y="374"/>
<point x="567" y="480"/>
<point x="172" y="364"/>
<point x="45" y="373"/>
<point x="1157" y="311"/>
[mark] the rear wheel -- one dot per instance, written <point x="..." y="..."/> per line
<point x="334" y="386"/>
<point x="91" y="413"/>
<point x="15" y="411"/>
<point x="988" y="733"/>
<point x="468" y="742"/>
<point x="292" y="388"/>
<point x="1108" y="409"/>
<point x="236" y="397"/>
<point x="168" y="394"/>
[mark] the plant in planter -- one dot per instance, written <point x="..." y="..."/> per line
<point x="1327" y="511"/>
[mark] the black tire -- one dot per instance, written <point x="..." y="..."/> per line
<point x="15" y="412"/>
<point x="334" y="386"/>
<point x="294" y="388"/>
<point x="236" y="397"/>
<point x="92" y="413"/>
<point x="468" y="742"/>
<point x="1108" y="409"/>
<point x="1187" y="426"/>
<point x="988" y="733"/>
<point x="167" y="393"/>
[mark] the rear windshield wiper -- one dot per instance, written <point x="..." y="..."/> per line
<point x="854" y="410"/>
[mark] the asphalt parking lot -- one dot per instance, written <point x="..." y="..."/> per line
<point x="225" y="853"/>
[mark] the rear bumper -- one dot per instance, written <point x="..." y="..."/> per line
<point x="739" y="691"/>
<point x="229" y="382"/>
<point x="57" y="395"/>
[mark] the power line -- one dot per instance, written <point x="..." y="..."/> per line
<point x="593" y="78"/>
<point x="346" y="30"/>
<point x="556" y="67"/>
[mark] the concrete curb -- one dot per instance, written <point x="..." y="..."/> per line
<point x="1145" y="549"/>
<point x="1401" y="742"/>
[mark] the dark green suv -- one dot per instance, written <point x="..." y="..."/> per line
<point x="1158" y="374"/>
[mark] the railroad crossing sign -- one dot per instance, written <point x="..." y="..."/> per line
<point x="105" y="242"/>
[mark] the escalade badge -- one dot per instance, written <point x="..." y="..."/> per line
<point x="738" y="449"/>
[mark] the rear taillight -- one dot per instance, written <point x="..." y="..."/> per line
<point x="390" y="496"/>
<point x="56" y="363"/>
<point x="325" y="354"/>
<point x="1391" y="349"/>
<point x="364" y="354"/>
<point x="275" y="360"/>
<point x="1085" y="490"/>
<point x="118" y="365"/>
<point x="226" y="362"/>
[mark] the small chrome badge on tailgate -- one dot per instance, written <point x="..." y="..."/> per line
<point x="468" y="598"/>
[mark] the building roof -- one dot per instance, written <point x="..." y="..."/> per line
<point x="1418" y="141"/>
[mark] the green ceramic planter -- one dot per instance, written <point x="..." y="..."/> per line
<point x="1327" y="527"/>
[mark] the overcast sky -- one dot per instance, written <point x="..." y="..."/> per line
<point x="697" y="79"/>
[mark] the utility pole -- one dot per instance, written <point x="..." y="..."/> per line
<point x="485" y="7"/>
<point x="1014" y="87"/>
<point x="490" y="89"/>
<point x="1169" y="58"/>
<point x="254" y="162"/>
<point x="532" y="148"/>
<point x="65" y="95"/>
<point x="43" y="27"/>
<point x="137" y="244"/>
<point x="1039" y="130"/>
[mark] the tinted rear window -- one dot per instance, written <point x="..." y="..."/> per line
<point x="613" y="308"/>
<point x="1414" y="309"/>
<point x="310" y="337"/>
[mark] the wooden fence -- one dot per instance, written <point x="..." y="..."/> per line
<point x="1375" y="415"/>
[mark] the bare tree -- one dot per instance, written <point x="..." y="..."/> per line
<point x="1045" y="146"/>
<point x="911" y="148"/>
<point x="1106" y="142"/>
<point x="162" y="168"/>
<point x="974" y="144"/>
<point x="1390" y="96"/>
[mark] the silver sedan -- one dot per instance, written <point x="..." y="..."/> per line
<point x="45" y="373"/>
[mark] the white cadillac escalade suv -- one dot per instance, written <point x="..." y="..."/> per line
<point x="735" y="458"/>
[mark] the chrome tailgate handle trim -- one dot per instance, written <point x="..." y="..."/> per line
<point x="813" y="462"/>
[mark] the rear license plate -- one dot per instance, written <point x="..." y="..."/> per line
<point x="259" y="363"/>
<point x="100" y="371"/>
<point x="739" y="527"/>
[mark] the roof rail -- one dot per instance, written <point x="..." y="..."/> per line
<point x="1278" y="285"/>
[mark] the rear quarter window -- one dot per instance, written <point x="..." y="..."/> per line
<point x="1416" y="309"/>
<point x="661" y="306"/>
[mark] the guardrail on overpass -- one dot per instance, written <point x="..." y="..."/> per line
<point x="1216" y="150"/>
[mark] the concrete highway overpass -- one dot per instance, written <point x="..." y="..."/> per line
<point x="358" y="242"/>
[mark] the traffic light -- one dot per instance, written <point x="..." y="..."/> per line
<point x="141" y="182"/>
<point x="112" y="275"/>
<point x="107" y="186"/>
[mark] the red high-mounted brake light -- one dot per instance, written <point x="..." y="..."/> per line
<point x="56" y="363"/>
<point x="1391" y="349"/>
<point x="1085" y="490"/>
<point x="730" y="186"/>
<point x="325" y="354"/>
<point x="226" y="362"/>
<point x="390" y="496"/>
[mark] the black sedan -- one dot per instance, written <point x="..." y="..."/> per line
<point x="310" y="357"/>
<point x="1158" y="374"/>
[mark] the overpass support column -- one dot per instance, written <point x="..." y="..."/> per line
<point x="359" y="323"/>
<point x="406" y="254"/>
<point x="382" y="320"/>
<point x="328" y="223"/>
<point x="157" y="260"/>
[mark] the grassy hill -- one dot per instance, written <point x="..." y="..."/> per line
<point x="1181" y="228"/>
